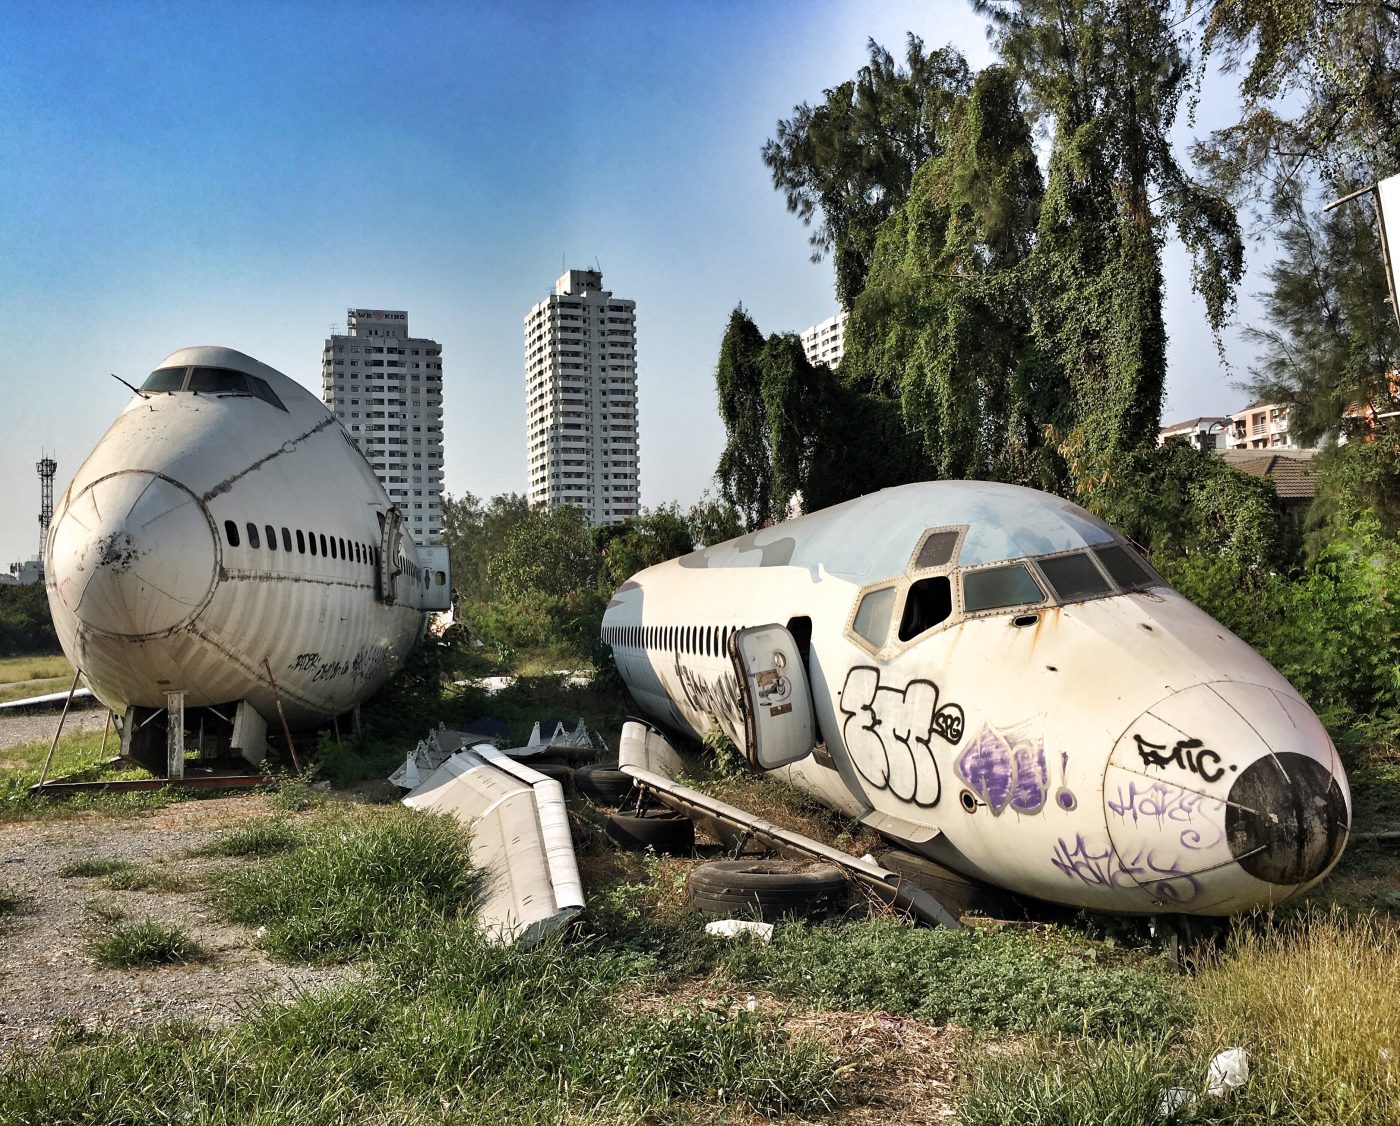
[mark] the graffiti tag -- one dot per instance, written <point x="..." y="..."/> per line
<point x="1188" y="754"/>
<point x="1094" y="867"/>
<point x="718" y="697"/>
<point x="889" y="733"/>
<point x="1199" y="815"/>
<point x="1006" y="771"/>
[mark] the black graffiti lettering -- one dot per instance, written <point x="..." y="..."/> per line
<point x="1187" y="754"/>
<point x="718" y="698"/>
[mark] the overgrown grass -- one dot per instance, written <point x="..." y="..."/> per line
<point x="355" y="879"/>
<point x="1016" y="980"/>
<point x="149" y="879"/>
<point x="40" y="667"/>
<point x="143" y="943"/>
<point x="263" y="836"/>
<point x="20" y="767"/>
<point x="1316" y="1001"/>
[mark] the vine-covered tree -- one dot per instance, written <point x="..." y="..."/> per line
<point x="845" y="165"/>
<point x="1107" y="77"/>
<point x="745" y="468"/>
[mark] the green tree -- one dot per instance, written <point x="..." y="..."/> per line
<point x="653" y="536"/>
<point x="1108" y="77"/>
<point x="548" y="554"/>
<point x="745" y="467"/>
<point x="26" y="626"/>
<point x="713" y="521"/>
<point x="473" y="533"/>
<point x="848" y="162"/>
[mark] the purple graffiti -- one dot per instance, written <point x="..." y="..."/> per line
<point x="889" y="733"/>
<point x="1166" y="880"/>
<point x="1005" y="771"/>
<point x="1200" y="816"/>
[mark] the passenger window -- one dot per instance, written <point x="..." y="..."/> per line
<point x="323" y="542"/>
<point x="271" y="538"/>
<point x="1124" y="566"/>
<point x="231" y="533"/>
<point x="311" y="541"/>
<point x="301" y="543"/>
<point x="996" y="587"/>
<point x="286" y="541"/>
<point x="873" y="615"/>
<point x="936" y="550"/>
<point x="1073" y="577"/>
<point x="928" y="603"/>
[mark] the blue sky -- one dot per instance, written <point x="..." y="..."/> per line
<point x="240" y="174"/>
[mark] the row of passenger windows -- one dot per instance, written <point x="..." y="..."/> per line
<point x="307" y="543"/>
<point x="701" y="641"/>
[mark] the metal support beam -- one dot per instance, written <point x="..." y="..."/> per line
<point x="175" y="735"/>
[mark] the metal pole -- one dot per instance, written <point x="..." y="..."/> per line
<point x="54" y="745"/>
<point x="174" y="736"/>
<point x="286" y="731"/>
<point x="106" y="727"/>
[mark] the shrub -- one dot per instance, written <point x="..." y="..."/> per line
<point x="144" y="943"/>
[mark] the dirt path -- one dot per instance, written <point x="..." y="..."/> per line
<point x="47" y="974"/>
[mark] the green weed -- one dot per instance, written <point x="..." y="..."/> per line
<point x="262" y="837"/>
<point x="356" y="879"/>
<point x="294" y="795"/>
<point x="1015" y="980"/>
<point x="104" y="911"/>
<point x="144" y="943"/>
<point x="148" y="879"/>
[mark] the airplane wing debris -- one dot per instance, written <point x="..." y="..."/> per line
<point x="646" y="756"/>
<point x="520" y="839"/>
<point x="46" y="700"/>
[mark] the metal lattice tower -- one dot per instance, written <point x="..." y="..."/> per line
<point x="47" y="467"/>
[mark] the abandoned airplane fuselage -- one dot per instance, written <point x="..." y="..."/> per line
<point x="227" y="540"/>
<point x="992" y="677"/>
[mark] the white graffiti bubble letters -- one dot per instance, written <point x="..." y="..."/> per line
<point x="889" y="732"/>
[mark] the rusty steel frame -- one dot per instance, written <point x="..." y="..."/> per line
<point x="61" y="788"/>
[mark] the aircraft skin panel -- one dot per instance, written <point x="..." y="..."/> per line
<point x="163" y="575"/>
<point x="1080" y="749"/>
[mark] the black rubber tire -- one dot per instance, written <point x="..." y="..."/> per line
<point x="603" y="784"/>
<point x="768" y="889"/>
<point x="659" y="829"/>
<point x="556" y="770"/>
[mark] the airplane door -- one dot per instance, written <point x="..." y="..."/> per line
<point x="778" y="722"/>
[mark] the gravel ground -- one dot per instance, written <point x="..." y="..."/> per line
<point x="16" y="730"/>
<point x="47" y="974"/>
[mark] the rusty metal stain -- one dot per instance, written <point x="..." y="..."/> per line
<point x="287" y="447"/>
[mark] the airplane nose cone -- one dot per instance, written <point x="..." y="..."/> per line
<point x="1226" y="796"/>
<point x="134" y="555"/>
<point x="1286" y="818"/>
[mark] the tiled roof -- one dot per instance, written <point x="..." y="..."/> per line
<point x="1292" y="477"/>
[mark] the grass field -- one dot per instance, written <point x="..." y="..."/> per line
<point x="33" y="676"/>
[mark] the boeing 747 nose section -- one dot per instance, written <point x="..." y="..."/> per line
<point x="1224" y="796"/>
<point x="134" y="555"/>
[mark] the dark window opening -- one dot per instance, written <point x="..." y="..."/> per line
<point x="936" y="550"/>
<point x="271" y="537"/>
<point x="342" y="549"/>
<point x="333" y="554"/>
<point x="873" y="615"/>
<point x="311" y="541"/>
<point x="1125" y="567"/>
<point x="928" y="603"/>
<point x="165" y="379"/>
<point x="1074" y="577"/>
<point x="253" y="535"/>
<point x="322" y="536"/>
<point x="286" y="541"/>
<point x="231" y="533"/>
<point x="996" y="587"/>
<point x="301" y="542"/>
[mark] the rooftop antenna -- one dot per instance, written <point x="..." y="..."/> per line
<point x="47" y="467"/>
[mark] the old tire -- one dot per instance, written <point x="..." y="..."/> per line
<point x="603" y="784"/>
<point x="659" y="829"/>
<point x="768" y="889"/>
<point x="556" y="770"/>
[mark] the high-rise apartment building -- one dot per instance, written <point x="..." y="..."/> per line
<point x="581" y="399"/>
<point x="386" y="387"/>
<point x="825" y="343"/>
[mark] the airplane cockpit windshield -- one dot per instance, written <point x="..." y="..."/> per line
<point x="211" y="381"/>
<point x="950" y="578"/>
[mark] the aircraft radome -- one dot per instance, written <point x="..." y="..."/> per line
<point x="226" y="544"/>
<point x="992" y="677"/>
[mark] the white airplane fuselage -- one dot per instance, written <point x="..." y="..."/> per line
<point x="1000" y="684"/>
<point x="226" y="539"/>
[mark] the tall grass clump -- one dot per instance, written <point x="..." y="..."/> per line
<point x="144" y="943"/>
<point x="357" y="878"/>
<point x="1316" y="1001"/>
<point x="1014" y="980"/>
<point x="262" y="836"/>
<point x="1112" y="1082"/>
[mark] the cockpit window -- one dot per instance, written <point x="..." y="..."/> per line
<point x="212" y="381"/>
<point x="1125" y="567"/>
<point x="873" y="615"/>
<point x="937" y="549"/>
<point x="1074" y="577"/>
<point x="164" y="379"/>
<point x="996" y="587"/>
<point x="928" y="603"/>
